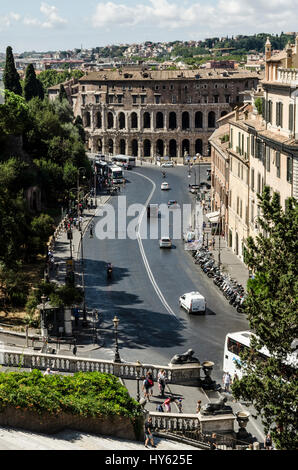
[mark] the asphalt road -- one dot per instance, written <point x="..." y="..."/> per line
<point x="147" y="282"/>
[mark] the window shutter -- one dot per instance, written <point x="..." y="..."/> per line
<point x="291" y="117"/>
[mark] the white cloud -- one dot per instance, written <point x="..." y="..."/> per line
<point x="7" y="20"/>
<point x="222" y="17"/>
<point x="52" y="19"/>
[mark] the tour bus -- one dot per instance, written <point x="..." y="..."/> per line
<point x="101" y="167"/>
<point x="236" y="343"/>
<point x="115" y="174"/>
<point x="124" y="160"/>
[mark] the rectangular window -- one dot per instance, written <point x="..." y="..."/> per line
<point x="120" y="99"/>
<point x="240" y="213"/>
<point x="237" y="209"/>
<point x="252" y="211"/>
<point x="215" y="99"/>
<point x="143" y="99"/>
<point x="239" y="169"/>
<point x="270" y="111"/>
<point x="227" y="98"/>
<point x="291" y="117"/>
<point x="83" y="100"/>
<point x="277" y="164"/>
<point x="289" y="170"/>
<point x="174" y="99"/>
<point x="134" y="99"/>
<point x="259" y="184"/>
<point x="252" y="146"/>
<point x="157" y="99"/>
<point x="268" y="159"/>
<point x="231" y="138"/>
<point x="252" y="183"/>
<point x="97" y="97"/>
<point x="111" y="98"/>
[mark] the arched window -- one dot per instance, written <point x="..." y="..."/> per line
<point x="122" y="146"/>
<point x="198" y="120"/>
<point x="98" y="120"/>
<point x="172" y="120"/>
<point x="199" y="146"/>
<point x="110" y="120"/>
<point x="160" y="147"/>
<point x="99" y="145"/>
<point x="147" y="148"/>
<point x="134" y="148"/>
<point x="173" y="148"/>
<point x="134" y="120"/>
<point x="147" y="120"/>
<point x="159" y="120"/>
<point x="185" y="147"/>
<point x="185" y="120"/>
<point x="111" y="146"/>
<point x="121" y="121"/>
<point x="87" y="119"/>
<point x="211" y="119"/>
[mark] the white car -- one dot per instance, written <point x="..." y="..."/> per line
<point x="193" y="302"/>
<point x="165" y="186"/>
<point x="165" y="242"/>
<point x="167" y="165"/>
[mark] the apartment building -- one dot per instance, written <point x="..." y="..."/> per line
<point x="263" y="147"/>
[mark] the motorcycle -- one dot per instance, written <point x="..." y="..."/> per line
<point x="109" y="271"/>
<point x="163" y="174"/>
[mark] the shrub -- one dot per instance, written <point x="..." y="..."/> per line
<point x="85" y="393"/>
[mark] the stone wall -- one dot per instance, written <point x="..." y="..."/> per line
<point x="116" y="426"/>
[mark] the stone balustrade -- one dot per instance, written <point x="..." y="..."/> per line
<point x="186" y="374"/>
<point x="288" y="76"/>
<point x="175" y="422"/>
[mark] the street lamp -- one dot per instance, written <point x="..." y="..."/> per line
<point x="138" y="375"/>
<point x="117" y="355"/>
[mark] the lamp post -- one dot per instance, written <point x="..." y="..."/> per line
<point x="138" y="375"/>
<point x="117" y="355"/>
<point x="44" y="332"/>
<point x="78" y="189"/>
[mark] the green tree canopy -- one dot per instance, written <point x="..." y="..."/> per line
<point x="11" y="77"/>
<point x="271" y="308"/>
<point x="32" y="86"/>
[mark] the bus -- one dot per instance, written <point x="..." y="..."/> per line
<point x="238" y="342"/>
<point x="124" y="160"/>
<point x="101" y="167"/>
<point x="115" y="174"/>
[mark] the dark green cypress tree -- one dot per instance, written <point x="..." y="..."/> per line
<point x="11" y="77"/>
<point x="62" y="93"/>
<point x="31" y="88"/>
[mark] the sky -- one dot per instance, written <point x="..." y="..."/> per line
<point x="68" y="24"/>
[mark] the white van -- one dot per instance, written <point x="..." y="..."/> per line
<point x="193" y="302"/>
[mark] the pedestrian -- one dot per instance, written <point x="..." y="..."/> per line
<point x="226" y="381"/>
<point x="74" y="350"/>
<point x="150" y="382"/>
<point x="148" y="432"/>
<point x="146" y="388"/>
<point x="268" y="442"/>
<point x="179" y="405"/>
<point x="48" y="372"/>
<point x="167" y="404"/>
<point x="235" y="377"/>
<point x="198" y="406"/>
<point x="212" y="441"/>
<point x="213" y="243"/>
<point x="161" y="380"/>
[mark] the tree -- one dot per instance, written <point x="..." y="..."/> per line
<point x="11" y="77"/>
<point x="271" y="308"/>
<point x="33" y="86"/>
<point x="62" y="93"/>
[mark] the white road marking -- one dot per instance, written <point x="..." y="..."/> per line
<point x="145" y="260"/>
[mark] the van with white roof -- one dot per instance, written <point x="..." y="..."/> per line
<point x="193" y="302"/>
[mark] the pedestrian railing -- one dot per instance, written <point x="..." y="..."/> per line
<point x="175" y="421"/>
<point x="183" y="375"/>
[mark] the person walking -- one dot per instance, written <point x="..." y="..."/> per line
<point x="198" y="406"/>
<point x="161" y="380"/>
<point x="151" y="382"/>
<point x="179" y="405"/>
<point x="226" y="381"/>
<point x="268" y="442"/>
<point x="148" y="432"/>
<point x="167" y="404"/>
<point x="146" y="388"/>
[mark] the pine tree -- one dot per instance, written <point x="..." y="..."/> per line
<point x="271" y="307"/>
<point x="33" y="86"/>
<point x="11" y="77"/>
<point x="62" y="93"/>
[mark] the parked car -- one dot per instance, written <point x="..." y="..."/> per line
<point x="167" y="164"/>
<point x="165" y="186"/>
<point x="193" y="302"/>
<point x="193" y="188"/>
<point x="165" y="242"/>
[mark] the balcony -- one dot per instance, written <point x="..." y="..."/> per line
<point x="288" y="76"/>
